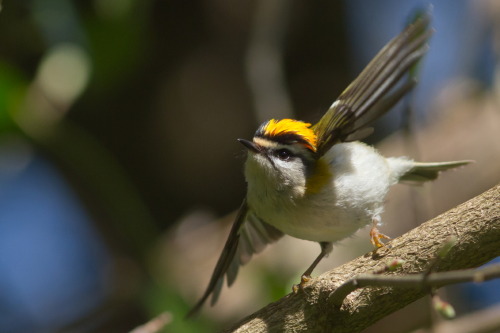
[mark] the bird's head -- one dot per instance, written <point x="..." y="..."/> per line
<point x="282" y="155"/>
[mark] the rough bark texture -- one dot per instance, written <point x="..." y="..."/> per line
<point x="475" y="224"/>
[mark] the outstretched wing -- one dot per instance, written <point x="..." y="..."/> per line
<point x="375" y="90"/>
<point x="248" y="235"/>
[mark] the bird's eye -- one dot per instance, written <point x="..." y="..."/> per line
<point x="284" y="154"/>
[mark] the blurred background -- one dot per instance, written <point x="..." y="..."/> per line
<point x="120" y="170"/>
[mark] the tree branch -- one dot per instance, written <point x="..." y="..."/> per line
<point x="476" y="226"/>
<point x="414" y="281"/>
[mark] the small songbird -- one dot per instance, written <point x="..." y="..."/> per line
<point x="316" y="182"/>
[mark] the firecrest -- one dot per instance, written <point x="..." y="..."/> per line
<point x="316" y="182"/>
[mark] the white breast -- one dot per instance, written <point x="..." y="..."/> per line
<point x="361" y="179"/>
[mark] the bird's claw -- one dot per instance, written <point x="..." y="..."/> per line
<point x="376" y="236"/>
<point x="303" y="280"/>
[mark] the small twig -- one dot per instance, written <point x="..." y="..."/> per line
<point x="416" y="281"/>
<point x="443" y="308"/>
<point x="155" y="324"/>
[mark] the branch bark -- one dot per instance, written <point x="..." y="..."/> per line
<point x="476" y="226"/>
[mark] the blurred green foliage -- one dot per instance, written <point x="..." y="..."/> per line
<point x="12" y="90"/>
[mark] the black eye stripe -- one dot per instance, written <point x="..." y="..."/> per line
<point x="284" y="138"/>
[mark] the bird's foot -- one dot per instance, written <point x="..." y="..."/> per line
<point x="376" y="236"/>
<point x="303" y="280"/>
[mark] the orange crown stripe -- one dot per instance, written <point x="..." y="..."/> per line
<point x="290" y="126"/>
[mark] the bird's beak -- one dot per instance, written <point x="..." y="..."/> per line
<point x="250" y="145"/>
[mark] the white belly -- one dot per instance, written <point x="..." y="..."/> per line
<point x="348" y="203"/>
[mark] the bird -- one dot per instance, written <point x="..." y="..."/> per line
<point x="319" y="182"/>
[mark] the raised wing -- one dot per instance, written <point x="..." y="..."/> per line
<point x="248" y="235"/>
<point x="375" y="90"/>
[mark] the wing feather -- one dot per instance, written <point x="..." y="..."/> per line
<point x="249" y="235"/>
<point x="376" y="89"/>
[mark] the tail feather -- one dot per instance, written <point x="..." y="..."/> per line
<point x="422" y="172"/>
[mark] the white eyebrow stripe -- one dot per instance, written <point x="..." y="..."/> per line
<point x="265" y="142"/>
